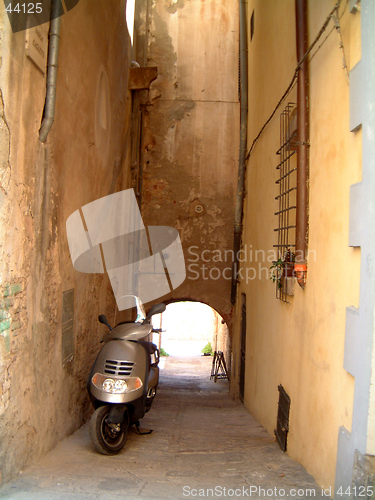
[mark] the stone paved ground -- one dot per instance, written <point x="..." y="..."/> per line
<point x="202" y="442"/>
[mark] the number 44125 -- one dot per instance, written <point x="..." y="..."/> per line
<point x="26" y="8"/>
<point x="356" y="491"/>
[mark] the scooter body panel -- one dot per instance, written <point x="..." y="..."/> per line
<point x="121" y="359"/>
<point x="153" y="378"/>
<point x="128" y="331"/>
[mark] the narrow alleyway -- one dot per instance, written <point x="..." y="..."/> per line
<point x="202" y="442"/>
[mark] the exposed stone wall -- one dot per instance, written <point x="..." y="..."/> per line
<point x="191" y="139"/>
<point x="86" y="156"/>
<point x="363" y="481"/>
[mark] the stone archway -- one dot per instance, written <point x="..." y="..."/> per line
<point x="190" y="139"/>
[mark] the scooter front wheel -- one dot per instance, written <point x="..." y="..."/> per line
<point x="107" y="439"/>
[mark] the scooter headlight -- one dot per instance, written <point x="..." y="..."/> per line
<point x="114" y="385"/>
<point x="120" y="386"/>
<point x="108" y="385"/>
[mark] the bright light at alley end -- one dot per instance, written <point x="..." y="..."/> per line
<point x="115" y="385"/>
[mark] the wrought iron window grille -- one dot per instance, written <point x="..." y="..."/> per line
<point x="287" y="203"/>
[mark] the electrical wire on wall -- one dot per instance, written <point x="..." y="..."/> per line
<point x="334" y="15"/>
<point x="336" y="20"/>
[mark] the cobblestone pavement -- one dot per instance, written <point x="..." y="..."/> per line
<point x="203" y="445"/>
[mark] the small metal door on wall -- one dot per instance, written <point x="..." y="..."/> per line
<point x="243" y="346"/>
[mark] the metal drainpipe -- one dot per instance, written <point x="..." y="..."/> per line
<point x="300" y="266"/>
<point x="243" y="145"/>
<point x="53" y="55"/>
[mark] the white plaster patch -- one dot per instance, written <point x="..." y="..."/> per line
<point x="170" y="143"/>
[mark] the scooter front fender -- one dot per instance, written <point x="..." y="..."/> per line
<point x="120" y="359"/>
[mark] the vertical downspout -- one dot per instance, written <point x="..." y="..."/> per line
<point x="243" y="144"/>
<point x="300" y="266"/>
<point x="53" y="55"/>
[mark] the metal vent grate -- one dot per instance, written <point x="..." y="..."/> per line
<point x="282" y="425"/>
<point x="113" y="367"/>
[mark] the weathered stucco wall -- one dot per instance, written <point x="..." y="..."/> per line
<point x="301" y="345"/>
<point x="191" y="139"/>
<point x="85" y="157"/>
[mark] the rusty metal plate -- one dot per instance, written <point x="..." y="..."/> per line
<point x="141" y="78"/>
<point x="37" y="44"/>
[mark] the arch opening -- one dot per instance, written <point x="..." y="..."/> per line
<point x="189" y="328"/>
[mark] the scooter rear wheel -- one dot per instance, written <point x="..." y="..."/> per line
<point x="104" y="437"/>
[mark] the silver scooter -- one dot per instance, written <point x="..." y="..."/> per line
<point x="123" y="381"/>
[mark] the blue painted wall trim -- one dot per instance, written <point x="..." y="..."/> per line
<point x="360" y="322"/>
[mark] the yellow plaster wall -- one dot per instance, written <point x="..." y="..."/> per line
<point x="301" y="345"/>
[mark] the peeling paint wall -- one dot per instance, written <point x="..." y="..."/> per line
<point x="191" y="139"/>
<point x="86" y="156"/>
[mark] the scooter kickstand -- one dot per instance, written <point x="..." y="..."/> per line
<point x="140" y="431"/>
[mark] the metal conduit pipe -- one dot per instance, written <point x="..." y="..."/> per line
<point x="243" y="145"/>
<point x="300" y="266"/>
<point x="53" y="55"/>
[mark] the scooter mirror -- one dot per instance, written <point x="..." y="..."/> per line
<point x="155" y="309"/>
<point x="103" y="319"/>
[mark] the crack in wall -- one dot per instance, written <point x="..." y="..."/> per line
<point x="5" y="137"/>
